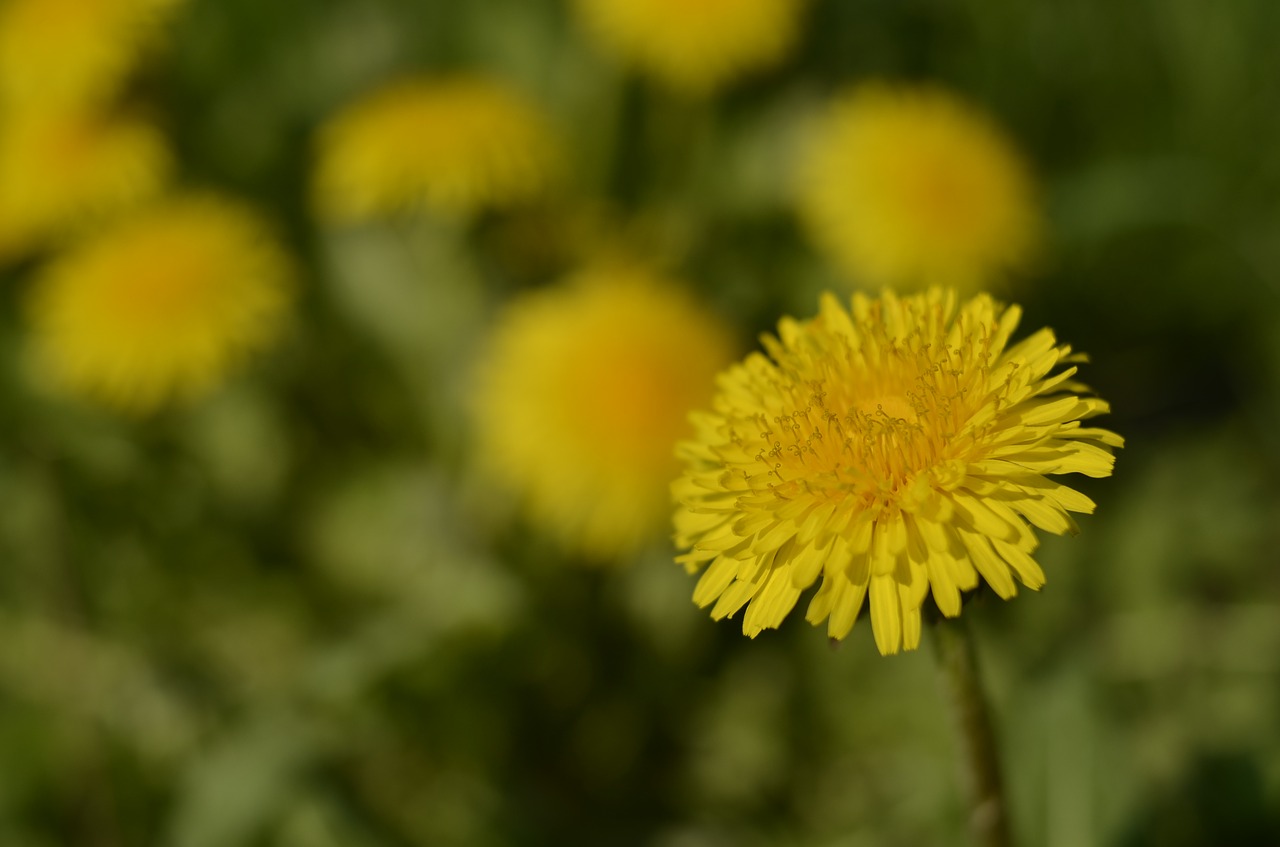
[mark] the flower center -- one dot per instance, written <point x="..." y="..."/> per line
<point x="938" y="199"/>
<point x="892" y="405"/>
<point x="863" y="426"/>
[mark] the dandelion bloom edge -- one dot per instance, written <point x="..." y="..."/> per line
<point x="897" y="449"/>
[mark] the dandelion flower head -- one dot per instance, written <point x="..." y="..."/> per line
<point x="160" y="304"/>
<point x="695" y="47"/>
<point x="897" y="450"/>
<point x="453" y="146"/>
<point x="582" y="395"/>
<point x="910" y="187"/>
<point x="59" y="171"/>
<point x="73" y="53"/>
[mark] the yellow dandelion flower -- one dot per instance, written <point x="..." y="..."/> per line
<point x="894" y="451"/>
<point x="583" y="394"/>
<point x="454" y="146"/>
<point x="694" y="47"/>
<point x="160" y="304"/>
<point x="909" y="187"/>
<point x="60" y="53"/>
<point x="57" y="171"/>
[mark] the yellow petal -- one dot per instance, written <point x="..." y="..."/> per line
<point x="806" y="565"/>
<point x="1027" y="569"/>
<point x="714" y="581"/>
<point x="886" y="615"/>
<point x="993" y="569"/>
<point x="945" y="593"/>
<point x="774" y="601"/>
<point x="910" y="621"/>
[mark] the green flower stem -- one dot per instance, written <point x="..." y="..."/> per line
<point x="958" y="665"/>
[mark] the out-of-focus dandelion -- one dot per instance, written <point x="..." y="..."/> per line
<point x="161" y="303"/>
<point x="695" y="47"/>
<point x="58" y="171"/>
<point x="896" y="450"/>
<point x="910" y="187"/>
<point x="454" y="146"/>
<point x="72" y="53"/>
<point x="582" y="396"/>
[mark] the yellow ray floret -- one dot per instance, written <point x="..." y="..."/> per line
<point x="582" y="395"/>
<point x="694" y="47"/>
<point x="58" y="171"/>
<point x="63" y="53"/>
<point x="897" y="450"/>
<point x="161" y="304"/>
<point x="910" y="187"/>
<point x="454" y="146"/>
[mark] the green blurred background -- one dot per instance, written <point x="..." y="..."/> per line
<point x="288" y="616"/>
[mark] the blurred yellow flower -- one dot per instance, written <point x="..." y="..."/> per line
<point x="62" y="53"/>
<point x="896" y="450"/>
<point x="694" y="47"/>
<point x="909" y="187"/>
<point x="160" y="304"/>
<point x="584" y="391"/>
<point x="453" y="146"/>
<point x="59" y="170"/>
